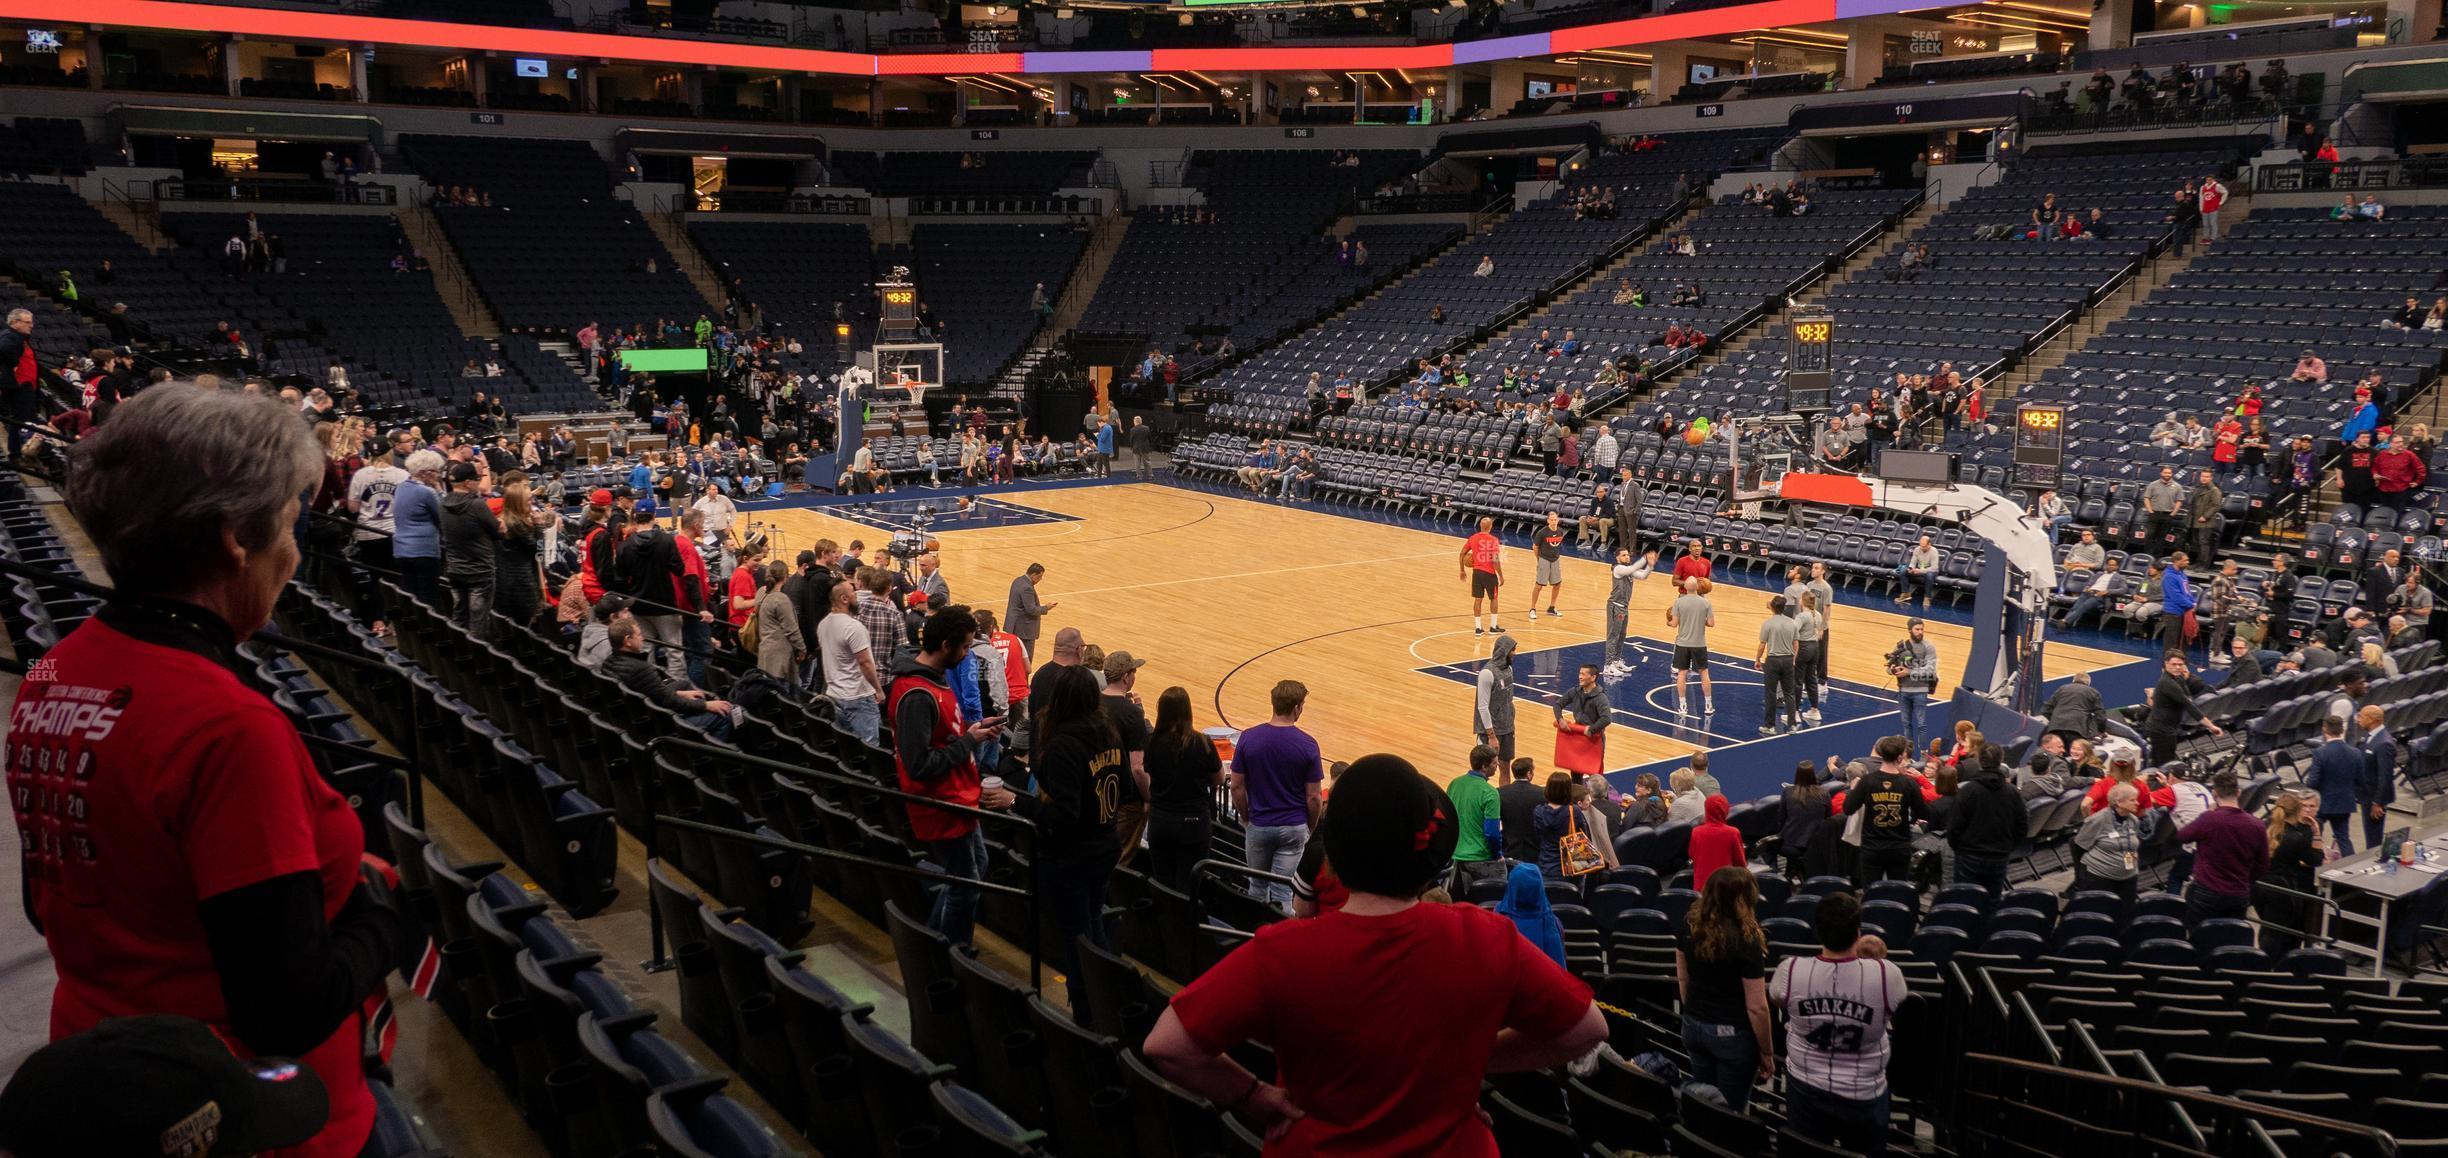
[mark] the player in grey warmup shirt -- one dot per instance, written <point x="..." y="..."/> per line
<point x="1691" y="616"/>
<point x="1809" y="656"/>
<point x="1826" y="593"/>
<point x="1627" y="571"/>
<point x="1780" y="698"/>
<point x="1795" y="589"/>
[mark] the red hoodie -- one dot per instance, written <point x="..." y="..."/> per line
<point x="2398" y="470"/>
<point x="1715" y="844"/>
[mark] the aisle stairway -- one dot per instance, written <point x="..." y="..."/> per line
<point x="467" y="307"/>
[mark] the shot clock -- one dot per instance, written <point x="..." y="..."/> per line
<point x="1808" y="362"/>
<point x="2039" y="447"/>
<point x="897" y="308"/>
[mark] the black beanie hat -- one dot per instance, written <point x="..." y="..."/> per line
<point x="1389" y="830"/>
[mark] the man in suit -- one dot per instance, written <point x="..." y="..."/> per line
<point x="1629" y="497"/>
<point x="2383" y="578"/>
<point x="1022" y="613"/>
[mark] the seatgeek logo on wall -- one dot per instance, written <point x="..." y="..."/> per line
<point x="278" y="24"/>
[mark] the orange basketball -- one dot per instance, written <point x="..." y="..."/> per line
<point x="1694" y="436"/>
<point x="1707" y="585"/>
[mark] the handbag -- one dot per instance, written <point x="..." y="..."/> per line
<point x="1574" y="850"/>
<point x="748" y="633"/>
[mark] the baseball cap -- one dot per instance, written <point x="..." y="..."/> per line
<point x="2123" y="760"/>
<point x="156" y="1084"/>
<point x="463" y="472"/>
<point x="645" y="508"/>
<point x="1121" y="663"/>
<point x="917" y="599"/>
<point x="600" y="496"/>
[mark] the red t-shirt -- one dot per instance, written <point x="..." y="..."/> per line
<point x="743" y="586"/>
<point x="146" y="778"/>
<point x="1690" y="567"/>
<point x="1388" y="1059"/>
<point x="690" y="589"/>
<point x="1484" y="550"/>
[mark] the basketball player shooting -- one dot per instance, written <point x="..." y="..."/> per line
<point x="1483" y="566"/>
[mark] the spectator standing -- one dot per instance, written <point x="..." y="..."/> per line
<point x="1721" y="975"/>
<point x="2173" y="702"/>
<point x="1916" y="678"/>
<point x="1806" y="805"/>
<point x="2337" y="774"/>
<point x="1079" y="768"/>
<point x="2162" y="501"/>
<point x="24" y="384"/>
<point x="1023" y="612"/>
<point x="2284" y="896"/>
<point x="2111" y="843"/>
<point x="1362" y="1072"/>
<point x="2202" y="516"/>
<point x="182" y="854"/>
<point x="1492" y="716"/>
<point x="1183" y="772"/>
<point x="846" y="654"/>
<point x="933" y="754"/>
<point x="518" y="561"/>
<point x="2213" y="198"/>
<point x="1581" y="718"/>
<point x="2376" y="789"/>
<point x="2230" y="852"/>
<point x="1889" y="800"/>
<point x="416" y="539"/>
<point x="1986" y="822"/>
<point x="1479" y="817"/>
<point x="1276" y="776"/>
<point x="1517" y="804"/>
<point x="469" y="535"/>
<point x="779" y="644"/>
<point x="1120" y="700"/>
<point x="1550" y="823"/>
<point x="886" y="626"/>
<point x="1837" y="1006"/>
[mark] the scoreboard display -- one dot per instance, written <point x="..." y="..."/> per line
<point x="2039" y="448"/>
<point x="897" y="308"/>
<point x="1809" y="363"/>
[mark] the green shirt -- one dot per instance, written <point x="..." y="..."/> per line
<point x="1474" y="801"/>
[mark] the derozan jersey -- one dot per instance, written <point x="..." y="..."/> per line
<point x="1836" y="1022"/>
<point x="371" y="489"/>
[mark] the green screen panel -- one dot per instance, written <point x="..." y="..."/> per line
<point x="689" y="361"/>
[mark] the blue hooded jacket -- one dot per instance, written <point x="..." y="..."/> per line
<point x="1525" y="901"/>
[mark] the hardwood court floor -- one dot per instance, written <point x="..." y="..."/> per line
<point x="1226" y="596"/>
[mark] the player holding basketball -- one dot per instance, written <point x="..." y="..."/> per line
<point x="1691" y="616"/>
<point x="1547" y="545"/>
<point x="1694" y="564"/>
<point x="1627" y="572"/>
<point x="1483" y="566"/>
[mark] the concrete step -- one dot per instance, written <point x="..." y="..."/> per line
<point x="467" y="307"/>
<point x="672" y="230"/>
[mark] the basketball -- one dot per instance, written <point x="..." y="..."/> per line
<point x="1706" y="585"/>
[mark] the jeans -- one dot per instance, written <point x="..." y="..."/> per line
<point x="2339" y="823"/>
<point x="472" y="606"/>
<point x="716" y="725"/>
<point x="1915" y="707"/>
<point x="1820" y="1116"/>
<point x="1276" y="848"/>
<point x="2210" y="225"/>
<point x="663" y="631"/>
<point x="2180" y="872"/>
<point x="860" y="716"/>
<point x="1983" y="871"/>
<point x="2082" y="609"/>
<point x="698" y="637"/>
<point x="2058" y="524"/>
<point x="1724" y="1056"/>
<point x="1176" y="842"/>
<point x="955" y="911"/>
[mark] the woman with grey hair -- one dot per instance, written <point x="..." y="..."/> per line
<point x="2111" y="843"/>
<point x="183" y="856"/>
<point x="416" y="526"/>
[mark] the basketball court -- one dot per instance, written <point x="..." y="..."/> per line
<point x="1226" y="594"/>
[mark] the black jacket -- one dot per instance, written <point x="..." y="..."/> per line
<point x="469" y="532"/>
<point x="2076" y="708"/>
<point x="648" y="567"/>
<point x="811" y="596"/>
<point x="1989" y="816"/>
<point x="630" y="670"/>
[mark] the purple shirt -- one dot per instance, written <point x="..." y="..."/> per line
<point x="1278" y="762"/>
<point x="2230" y="850"/>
